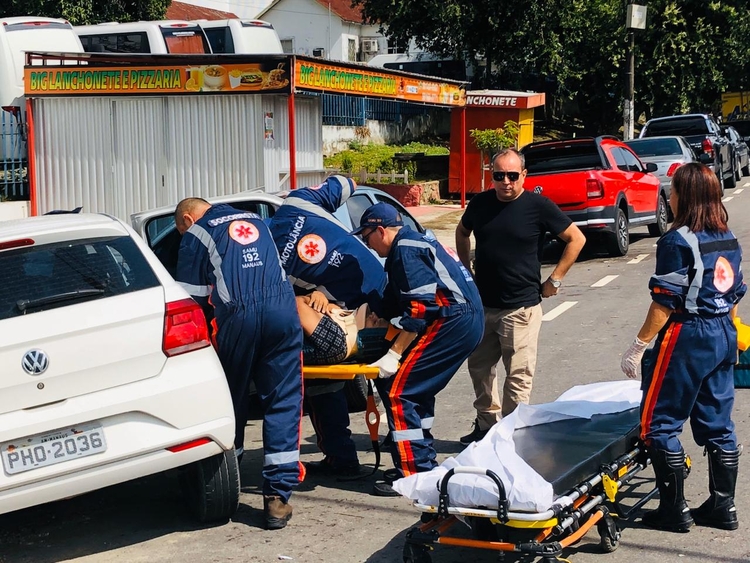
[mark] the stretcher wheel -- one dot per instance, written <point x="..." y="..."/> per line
<point x="416" y="554"/>
<point x="609" y="534"/>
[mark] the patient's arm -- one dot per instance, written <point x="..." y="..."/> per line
<point x="309" y="317"/>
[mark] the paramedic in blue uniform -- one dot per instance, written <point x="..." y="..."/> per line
<point x="227" y="259"/>
<point x="324" y="262"/>
<point x="695" y="290"/>
<point x="438" y="309"/>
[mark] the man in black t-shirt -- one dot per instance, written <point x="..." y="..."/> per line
<point x="509" y="225"/>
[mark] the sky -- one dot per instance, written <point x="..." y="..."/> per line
<point x="243" y="8"/>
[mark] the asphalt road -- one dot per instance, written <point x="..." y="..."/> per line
<point x="339" y="522"/>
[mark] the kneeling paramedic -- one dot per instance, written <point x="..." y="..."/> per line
<point x="227" y="259"/>
<point x="432" y="298"/>
<point x="325" y="263"/>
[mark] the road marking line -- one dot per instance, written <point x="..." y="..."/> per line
<point x="739" y="191"/>
<point x="559" y="310"/>
<point x="639" y="258"/>
<point x="728" y="198"/>
<point x="604" y="281"/>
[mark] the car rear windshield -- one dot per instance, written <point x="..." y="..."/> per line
<point x="655" y="147"/>
<point x="742" y="127"/>
<point x="562" y="157"/>
<point x="48" y="276"/>
<point x="677" y="126"/>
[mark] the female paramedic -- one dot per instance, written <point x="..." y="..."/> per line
<point x="695" y="290"/>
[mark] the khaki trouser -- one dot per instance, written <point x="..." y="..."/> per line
<point x="510" y="335"/>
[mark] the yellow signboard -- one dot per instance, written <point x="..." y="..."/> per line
<point x="85" y="80"/>
<point x="314" y="75"/>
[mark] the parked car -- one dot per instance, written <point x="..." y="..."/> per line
<point x="668" y="153"/>
<point x="108" y="371"/>
<point x="159" y="37"/>
<point x="706" y="138"/>
<point x="158" y="230"/>
<point x="742" y="126"/>
<point x="241" y="36"/>
<point x="601" y="185"/>
<point x="740" y="152"/>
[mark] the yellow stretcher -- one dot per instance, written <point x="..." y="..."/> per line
<point x="588" y="462"/>
<point x="343" y="372"/>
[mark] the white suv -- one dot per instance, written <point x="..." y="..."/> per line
<point x="106" y="369"/>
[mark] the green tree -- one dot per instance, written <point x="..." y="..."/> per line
<point x="83" y="12"/>
<point x="575" y="50"/>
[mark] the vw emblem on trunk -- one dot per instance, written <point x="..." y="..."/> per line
<point x="35" y="362"/>
<point x="538" y="189"/>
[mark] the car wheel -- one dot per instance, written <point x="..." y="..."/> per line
<point x="737" y="171"/>
<point x="746" y="169"/>
<point x="355" y="391"/>
<point x="730" y="181"/>
<point x="662" y="218"/>
<point x="619" y="241"/>
<point x="212" y="487"/>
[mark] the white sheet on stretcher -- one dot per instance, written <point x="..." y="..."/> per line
<point x="527" y="491"/>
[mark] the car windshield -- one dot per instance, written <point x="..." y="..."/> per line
<point x="677" y="126"/>
<point x="655" y="147"/>
<point x="47" y="276"/>
<point x="742" y="127"/>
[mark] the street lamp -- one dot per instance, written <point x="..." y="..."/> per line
<point x="635" y="18"/>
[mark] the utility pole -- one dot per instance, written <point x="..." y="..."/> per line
<point x="629" y="106"/>
<point x="635" y="19"/>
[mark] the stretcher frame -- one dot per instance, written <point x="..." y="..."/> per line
<point x="593" y="502"/>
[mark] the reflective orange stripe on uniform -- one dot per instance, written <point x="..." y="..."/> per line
<point x="662" y="363"/>
<point x="397" y="411"/>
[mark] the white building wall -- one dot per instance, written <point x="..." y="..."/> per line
<point x="309" y="24"/>
<point x="124" y="155"/>
<point x="309" y="143"/>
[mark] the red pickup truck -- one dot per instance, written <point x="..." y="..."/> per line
<point x="600" y="184"/>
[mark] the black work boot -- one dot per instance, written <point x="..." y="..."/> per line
<point x="276" y="511"/>
<point x="719" y="511"/>
<point x="673" y="514"/>
<point x="475" y="435"/>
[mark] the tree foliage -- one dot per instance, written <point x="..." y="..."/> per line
<point x="576" y="50"/>
<point x="83" y="12"/>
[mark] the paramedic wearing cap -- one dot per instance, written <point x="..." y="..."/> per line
<point x="695" y="290"/>
<point x="328" y="265"/>
<point x="227" y="259"/>
<point x="438" y="308"/>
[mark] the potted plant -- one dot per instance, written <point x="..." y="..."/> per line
<point x="491" y="141"/>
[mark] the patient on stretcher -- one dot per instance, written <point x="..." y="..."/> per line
<point x="334" y="335"/>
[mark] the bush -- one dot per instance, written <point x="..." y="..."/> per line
<point x="374" y="158"/>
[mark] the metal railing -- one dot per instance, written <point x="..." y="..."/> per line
<point x="14" y="178"/>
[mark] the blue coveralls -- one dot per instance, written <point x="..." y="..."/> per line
<point x="436" y="298"/>
<point x="227" y="259"/>
<point x="317" y="252"/>
<point x="698" y="275"/>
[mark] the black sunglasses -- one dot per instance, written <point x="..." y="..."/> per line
<point x="500" y="176"/>
<point x="366" y="238"/>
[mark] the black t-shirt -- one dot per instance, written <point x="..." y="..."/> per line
<point x="509" y="239"/>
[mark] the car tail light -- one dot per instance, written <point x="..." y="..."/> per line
<point x="188" y="445"/>
<point x="594" y="188"/>
<point x="708" y="147"/>
<point x="673" y="169"/>
<point x="185" y="328"/>
<point x="7" y="245"/>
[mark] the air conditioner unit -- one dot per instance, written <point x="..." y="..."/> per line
<point x="369" y="45"/>
<point x="319" y="52"/>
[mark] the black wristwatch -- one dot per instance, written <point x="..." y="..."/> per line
<point x="555" y="283"/>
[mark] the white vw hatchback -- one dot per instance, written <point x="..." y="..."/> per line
<point x="106" y="369"/>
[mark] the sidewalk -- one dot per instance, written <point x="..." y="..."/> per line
<point x="441" y="219"/>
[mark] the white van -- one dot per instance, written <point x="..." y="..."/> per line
<point x="26" y="33"/>
<point x="157" y="37"/>
<point x="241" y="36"/>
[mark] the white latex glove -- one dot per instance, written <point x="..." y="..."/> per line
<point x="388" y="364"/>
<point x="631" y="359"/>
